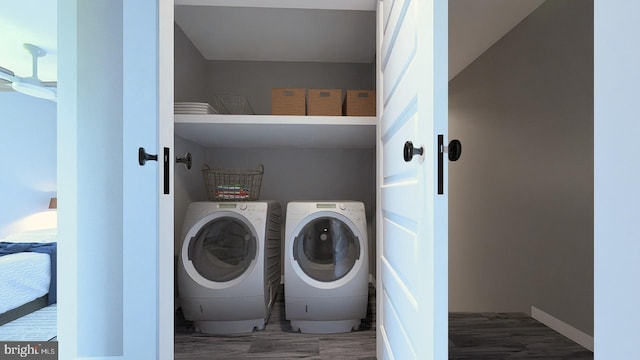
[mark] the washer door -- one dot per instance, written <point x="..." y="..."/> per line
<point x="326" y="249"/>
<point x="223" y="249"/>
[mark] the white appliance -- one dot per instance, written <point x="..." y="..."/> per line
<point x="326" y="266"/>
<point x="229" y="265"/>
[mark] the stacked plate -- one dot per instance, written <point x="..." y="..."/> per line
<point x="197" y="108"/>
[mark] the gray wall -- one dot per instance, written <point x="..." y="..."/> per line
<point x="290" y="173"/>
<point x="189" y="185"/>
<point x="190" y="69"/>
<point x="310" y="174"/>
<point x="255" y="79"/>
<point x="521" y="197"/>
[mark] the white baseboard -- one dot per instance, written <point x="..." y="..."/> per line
<point x="563" y="328"/>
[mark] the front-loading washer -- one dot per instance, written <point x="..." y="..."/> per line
<point x="326" y="266"/>
<point x="229" y="265"/>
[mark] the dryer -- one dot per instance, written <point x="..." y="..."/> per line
<point x="326" y="266"/>
<point x="229" y="265"/>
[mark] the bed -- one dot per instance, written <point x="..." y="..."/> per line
<point x="27" y="273"/>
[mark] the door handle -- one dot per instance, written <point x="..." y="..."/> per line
<point x="186" y="160"/>
<point x="409" y="151"/>
<point x="143" y="157"/>
<point x="166" y="169"/>
<point x="454" y="151"/>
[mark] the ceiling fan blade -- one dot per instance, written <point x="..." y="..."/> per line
<point x="7" y="74"/>
<point x="5" y="85"/>
<point x="31" y="85"/>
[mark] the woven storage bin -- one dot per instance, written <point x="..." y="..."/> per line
<point x="232" y="184"/>
<point x="325" y="102"/>
<point x="360" y="103"/>
<point x="288" y="101"/>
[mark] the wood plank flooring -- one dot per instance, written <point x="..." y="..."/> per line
<point x="507" y="336"/>
<point x="278" y="341"/>
<point x="472" y="336"/>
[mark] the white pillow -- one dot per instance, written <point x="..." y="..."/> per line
<point x="33" y="236"/>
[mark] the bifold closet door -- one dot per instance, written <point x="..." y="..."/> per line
<point x="412" y="217"/>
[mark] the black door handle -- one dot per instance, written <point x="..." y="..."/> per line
<point x="143" y="157"/>
<point x="454" y="151"/>
<point x="409" y="151"/>
<point x="167" y="160"/>
<point x="186" y="160"/>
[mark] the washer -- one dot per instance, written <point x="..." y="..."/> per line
<point x="326" y="266"/>
<point x="229" y="265"/>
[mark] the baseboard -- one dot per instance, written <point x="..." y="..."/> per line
<point x="563" y="328"/>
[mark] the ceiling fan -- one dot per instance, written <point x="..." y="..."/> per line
<point x="30" y="85"/>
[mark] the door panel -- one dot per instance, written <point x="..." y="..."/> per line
<point x="397" y="171"/>
<point x="395" y="333"/>
<point x="412" y="275"/>
<point x="401" y="254"/>
<point x="399" y="48"/>
<point x="111" y="282"/>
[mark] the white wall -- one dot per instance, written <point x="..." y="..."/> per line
<point x="617" y="179"/>
<point x="28" y="148"/>
<point x="90" y="134"/>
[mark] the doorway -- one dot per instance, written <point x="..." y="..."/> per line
<point x="521" y="197"/>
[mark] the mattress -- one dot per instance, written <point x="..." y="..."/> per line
<point x="25" y="276"/>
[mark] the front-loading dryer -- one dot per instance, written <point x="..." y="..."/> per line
<point x="326" y="266"/>
<point x="229" y="265"/>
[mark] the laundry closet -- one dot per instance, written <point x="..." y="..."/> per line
<point x="304" y="157"/>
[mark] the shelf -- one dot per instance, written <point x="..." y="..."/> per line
<point x="269" y="131"/>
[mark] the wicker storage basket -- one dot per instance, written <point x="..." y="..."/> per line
<point x="232" y="184"/>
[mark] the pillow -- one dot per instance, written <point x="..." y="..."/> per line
<point x="35" y="236"/>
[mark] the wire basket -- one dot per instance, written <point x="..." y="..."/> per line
<point x="236" y="104"/>
<point x="232" y="184"/>
<point x="218" y="105"/>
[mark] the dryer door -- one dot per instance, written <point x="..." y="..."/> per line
<point x="326" y="249"/>
<point x="223" y="249"/>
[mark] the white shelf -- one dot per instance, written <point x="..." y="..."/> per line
<point x="269" y="131"/>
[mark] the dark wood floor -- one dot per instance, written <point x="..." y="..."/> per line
<point x="278" y="341"/>
<point x="498" y="336"/>
<point x="481" y="336"/>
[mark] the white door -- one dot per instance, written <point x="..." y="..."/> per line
<point x="115" y="243"/>
<point x="412" y="217"/>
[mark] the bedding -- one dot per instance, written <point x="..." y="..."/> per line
<point x="28" y="268"/>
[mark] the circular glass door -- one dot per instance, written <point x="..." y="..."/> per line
<point x="326" y="249"/>
<point x="223" y="249"/>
